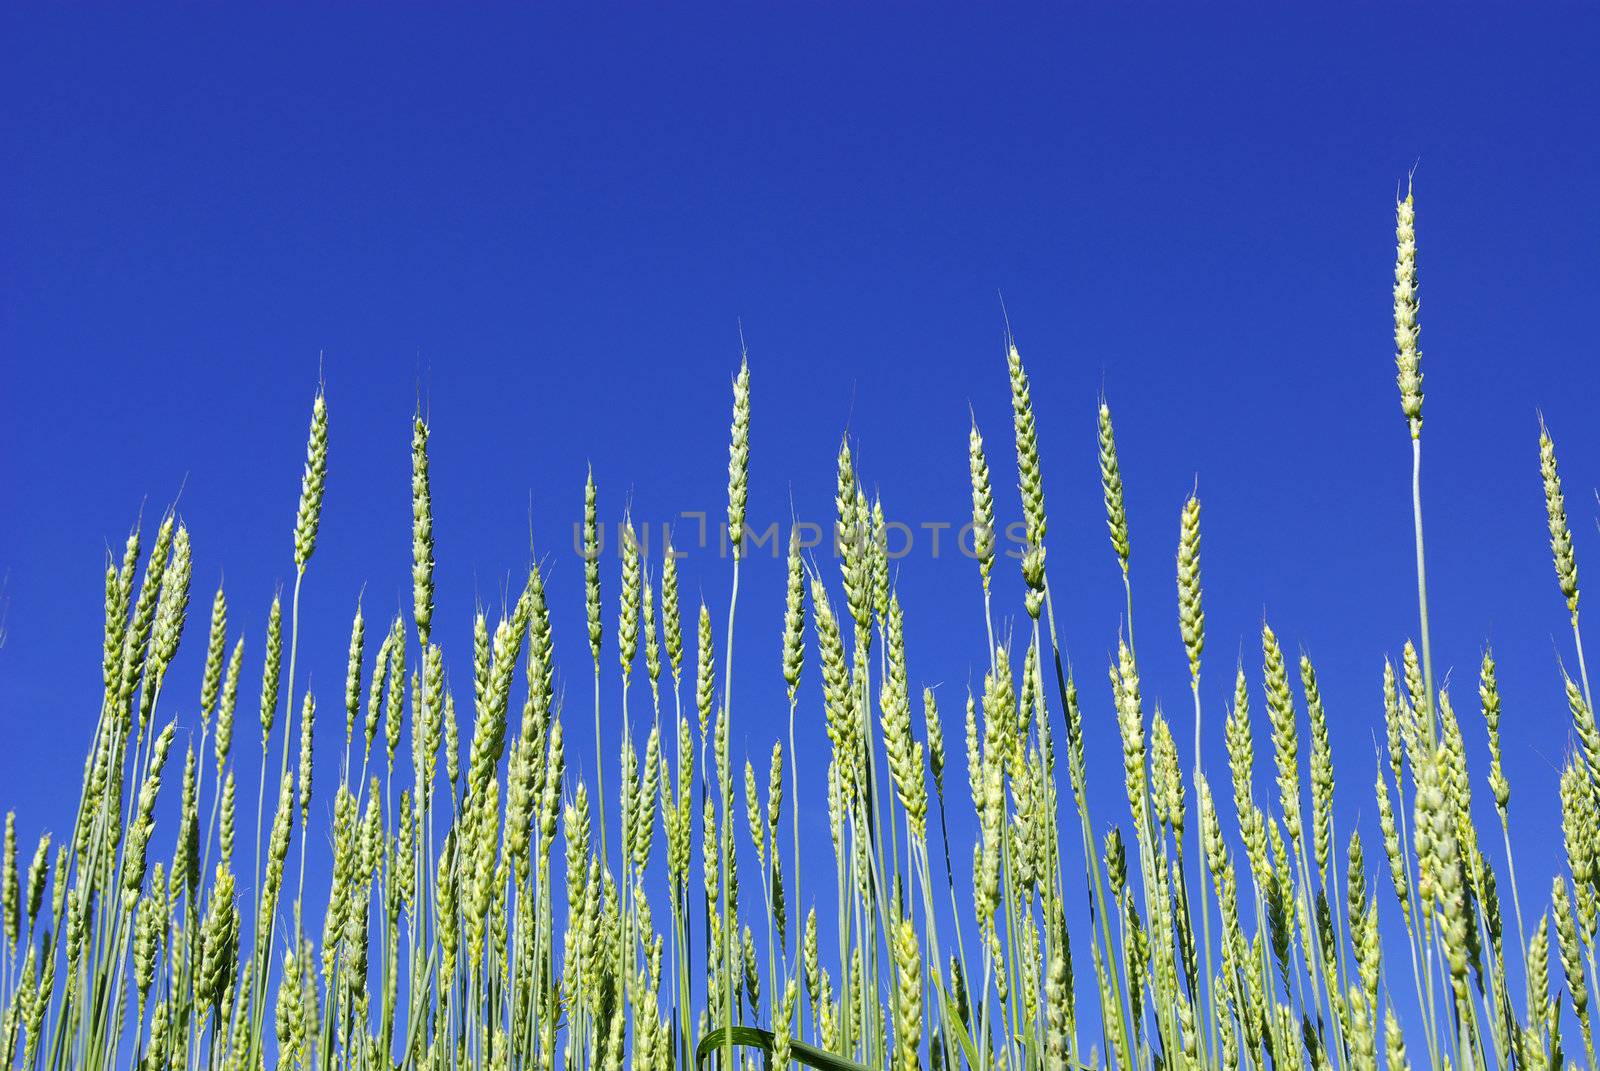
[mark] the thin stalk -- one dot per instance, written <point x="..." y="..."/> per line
<point x="1205" y="1000"/>
<point x="727" y="821"/>
<point x="1583" y="669"/>
<point x="794" y="821"/>
<point x="1422" y="582"/>
<point x="1516" y="900"/>
<point x="599" y="766"/>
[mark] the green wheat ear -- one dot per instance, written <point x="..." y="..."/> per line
<point x="1111" y="487"/>
<point x="312" y="484"/>
<point x="652" y="639"/>
<point x="1556" y="515"/>
<point x="908" y="996"/>
<point x="1407" y="357"/>
<point x="935" y="733"/>
<point x="705" y="670"/>
<point x="982" y="505"/>
<point x="794" y="617"/>
<point x="1027" y="440"/>
<point x="739" y="458"/>
<point x="628" y="599"/>
<point x="352" y="677"/>
<point x="10" y="895"/>
<point x="1191" y="618"/>
<point x="671" y="619"/>
<point x="216" y="649"/>
<point x="591" y="565"/>
<point x="1029" y="481"/>
<point x="421" y="532"/>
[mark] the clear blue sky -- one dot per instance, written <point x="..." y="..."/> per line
<point x="549" y="223"/>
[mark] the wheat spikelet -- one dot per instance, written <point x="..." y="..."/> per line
<point x="395" y="698"/>
<point x="218" y="942"/>
<point x="878" y="560"/>
<point x="652" y="640"/>
<point x="794" y="615"/>
<point x="270" y="670"/>
<point x="774" y="789"/>
<point x="1163" y="771"/>
<point x="1191" y="618"/>
<point x="935" y="734"/>
<point x="1489" y="698"/>
<point x="982" y="505"/>
<point x="1285" y="738"/>
<point x="705" y="670"/>
<point x="1111" y="487"/>
<point x="421" y="531"/>
<point x="1556" y="516"/>
<point x="591" y="564"/>
<point x="216" y="648"/>
<point x="1321" y="769"/>
<point x="905" y="754"/>
<point x="628" y="599"/>
<point x="739" y="458"/>
<point x="1027" y="442"/>
<point x="352" y="675"/>
<point x="38" y="874"/>
<point x="1408" y="358"/>
<point x="10" y="885"/>
<point x="308" y="712"/>
<point x="186" y="855"/>
<point x="137" y="639"/>
<point x="908" y="997"/>
<point x="134" y="860"/>
<point x="671" y="622"/>
<point x="312" y="484"/>
<point x="781" y="1051"/>
<point x="1583" y="720"/>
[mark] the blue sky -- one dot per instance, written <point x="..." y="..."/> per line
<point x="548" y="224"/>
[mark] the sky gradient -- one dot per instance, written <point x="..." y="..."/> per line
<point x="548" y="226"/>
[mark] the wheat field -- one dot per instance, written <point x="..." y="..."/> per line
<point x="489" y="908"/>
